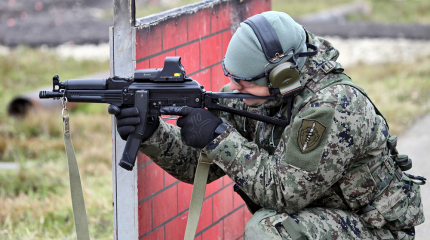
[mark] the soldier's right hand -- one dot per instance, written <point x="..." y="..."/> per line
<point x="128" y="118"/>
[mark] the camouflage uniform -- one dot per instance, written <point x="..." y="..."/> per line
<point x="314" y="175"/>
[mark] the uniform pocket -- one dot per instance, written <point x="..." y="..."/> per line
<point x="392" y="204"/>
<point x="358" y="186"/>
<point x="414" y="214"/>
<point x="399" y="207"/>
<point x="389" y="206"/>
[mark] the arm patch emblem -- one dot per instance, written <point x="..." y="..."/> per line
<point x="310" y="134"/>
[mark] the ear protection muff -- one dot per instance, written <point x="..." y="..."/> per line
<point x="284" y="80"/>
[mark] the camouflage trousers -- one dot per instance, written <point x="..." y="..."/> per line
<point x="316" y="223"/>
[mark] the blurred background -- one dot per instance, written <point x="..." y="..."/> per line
<point x="384" y="46"/>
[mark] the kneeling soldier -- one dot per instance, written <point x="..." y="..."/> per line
<point x="332" y="173"/>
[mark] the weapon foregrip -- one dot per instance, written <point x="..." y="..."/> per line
<point x="141" y="101"/>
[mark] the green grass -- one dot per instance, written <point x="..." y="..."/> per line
<point x="25" y="69"/>
<point x="400" y="93"/>
<point x="297" y="8"/>
<point x="35" y="200"/>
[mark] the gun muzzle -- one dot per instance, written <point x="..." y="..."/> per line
<point x="50" y="94"/>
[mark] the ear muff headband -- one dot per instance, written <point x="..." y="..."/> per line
<point x="284" y="78"/>
<point x="267" y="37"/>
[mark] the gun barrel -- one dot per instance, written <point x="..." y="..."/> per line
<point x="50" y="94"/>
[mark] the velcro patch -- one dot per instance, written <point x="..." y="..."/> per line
<point x="310" y="134"/>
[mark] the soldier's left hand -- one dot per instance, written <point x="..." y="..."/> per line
<point x="197" y="125"/>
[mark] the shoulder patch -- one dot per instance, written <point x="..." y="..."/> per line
<point x="306" y="141"/>
<point x="309" y="135"/>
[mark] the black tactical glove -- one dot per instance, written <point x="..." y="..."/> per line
<point x="197" y="125"/>
<point x="127" y="118"/>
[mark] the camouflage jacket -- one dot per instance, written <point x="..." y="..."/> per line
<point x="329" y="155"/>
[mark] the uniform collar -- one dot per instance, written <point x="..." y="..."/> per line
<point x="312" y="68"/>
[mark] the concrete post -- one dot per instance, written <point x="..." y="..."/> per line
<point x="122" y="65"/>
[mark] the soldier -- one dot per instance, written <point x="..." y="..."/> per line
<point x="330" y="174"/>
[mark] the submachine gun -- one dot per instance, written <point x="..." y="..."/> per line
<point x="148" y="91"/>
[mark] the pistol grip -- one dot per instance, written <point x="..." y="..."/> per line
<point x="141" y="102"/>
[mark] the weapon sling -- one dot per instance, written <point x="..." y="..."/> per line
<point x="199" y="188"/>
<point x="78" y="203"/>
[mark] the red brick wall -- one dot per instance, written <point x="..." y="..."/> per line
<point x="201" y="39"/>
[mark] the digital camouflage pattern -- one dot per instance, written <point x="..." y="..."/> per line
<point x="317" y="223"/>
<point x="347" y="167"/>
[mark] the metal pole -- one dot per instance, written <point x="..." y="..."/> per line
<point x="122" y="65"/>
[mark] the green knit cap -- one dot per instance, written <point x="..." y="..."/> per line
<point x="245" y="56"/>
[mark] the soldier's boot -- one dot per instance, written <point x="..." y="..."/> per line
<point x="315" y="223"/>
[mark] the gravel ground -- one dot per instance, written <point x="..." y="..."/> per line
<point x="352" y="51"/>
<point x="379" y="50"/>
<point x="81" y="52"/>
